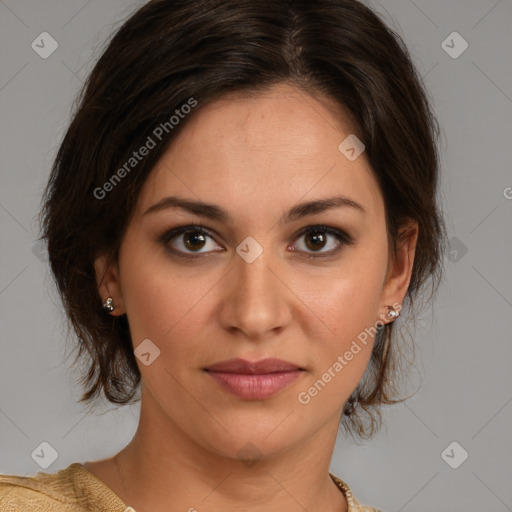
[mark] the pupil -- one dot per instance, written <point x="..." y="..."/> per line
<point x="318" y="239"/>
<point x="195" y="237"/>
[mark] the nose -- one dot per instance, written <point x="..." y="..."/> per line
<point x="256" y="303"/>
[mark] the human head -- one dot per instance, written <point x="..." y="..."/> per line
<point x="177" y="53"/>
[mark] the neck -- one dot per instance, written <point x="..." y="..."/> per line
<point x="180" y="474"/>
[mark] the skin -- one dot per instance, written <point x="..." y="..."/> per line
<point x="256" y="157"/>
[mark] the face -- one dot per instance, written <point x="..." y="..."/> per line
<point x="253" y="283"/>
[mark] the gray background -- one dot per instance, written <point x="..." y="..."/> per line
<point x="464" y="353"/>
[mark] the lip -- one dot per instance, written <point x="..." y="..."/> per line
<point x="264" y="366"/>
<point x="254" y="380"/>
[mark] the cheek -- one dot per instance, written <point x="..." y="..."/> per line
<point x="341" y="354"/>
<point x="348" y="300"/>
<point x="348" y="304"/>
<point x="161" y="299"/>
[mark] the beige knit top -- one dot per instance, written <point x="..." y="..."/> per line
<point x="76" y="489"/>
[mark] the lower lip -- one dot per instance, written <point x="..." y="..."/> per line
<point x="256" y="387"/>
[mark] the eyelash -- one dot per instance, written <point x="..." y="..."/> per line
<point x="340" y="235"/>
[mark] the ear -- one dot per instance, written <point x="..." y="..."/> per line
<point x="107" y="280"/>
<point x="399" y="269"/>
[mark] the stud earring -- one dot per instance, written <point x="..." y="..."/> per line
<point x="392" y="313"/>
<point x="108" y="305"/>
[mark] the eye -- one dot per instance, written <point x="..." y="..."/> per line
<point x="316" y="238"/>
<point x="187" y="240"/>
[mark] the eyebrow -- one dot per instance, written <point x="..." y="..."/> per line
<point x="214" y="212"/>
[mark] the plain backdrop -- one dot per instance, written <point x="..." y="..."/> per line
<point x="463" y="406"/>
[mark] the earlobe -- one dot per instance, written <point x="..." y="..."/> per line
<point x="108" y="305"/>
<point x="109" y="289"/>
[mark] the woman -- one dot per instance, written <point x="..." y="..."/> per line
<point x="241" y="208"/>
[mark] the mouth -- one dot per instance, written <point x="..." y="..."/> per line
<point x="254" y="380"/>
<point x="263" y="367"/>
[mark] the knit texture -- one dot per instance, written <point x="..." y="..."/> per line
<point x="76" y="489"/>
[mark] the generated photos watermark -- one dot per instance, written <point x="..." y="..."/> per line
<point x="137" y="156"/>
<point x="304" y="397"/>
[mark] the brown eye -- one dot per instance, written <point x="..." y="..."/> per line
<point x="317" y="238"/>
<point x="187" y="240"/>
<point x="193" y="240"/>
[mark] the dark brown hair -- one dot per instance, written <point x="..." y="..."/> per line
<point x="172" y="51"/>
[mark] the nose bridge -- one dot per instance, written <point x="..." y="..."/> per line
<point x="255" y="278"/>
<point x="252" y="263"/>
<point x="257" y="299"/>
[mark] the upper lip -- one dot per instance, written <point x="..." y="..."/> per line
<point x="242" y="366"/>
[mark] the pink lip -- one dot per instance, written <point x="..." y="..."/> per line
<point x="254" y="380"/>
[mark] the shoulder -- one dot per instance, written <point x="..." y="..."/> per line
<point x="353" y="504"/>
<point x="68" y="490"/>
<point x="39" y="493"/>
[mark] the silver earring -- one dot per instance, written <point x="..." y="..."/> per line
<point x="392" y="313"/>
<point x="108" y="305"/>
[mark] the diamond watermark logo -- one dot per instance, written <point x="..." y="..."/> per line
<point x="454" y="45"/>
<point x="351" y="147"/>
<point x="454" y="455"/>
<point x="249" y="249"/>
<point x="40" y="251"/>
<point x="45" y="455"/>
<point x="146" y="352"/>
<point x="44" y="45"/>
<point x="456" y="249"/>
<point x="249" y="454"/>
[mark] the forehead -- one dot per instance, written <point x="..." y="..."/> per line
<point x="259" y="151"/>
